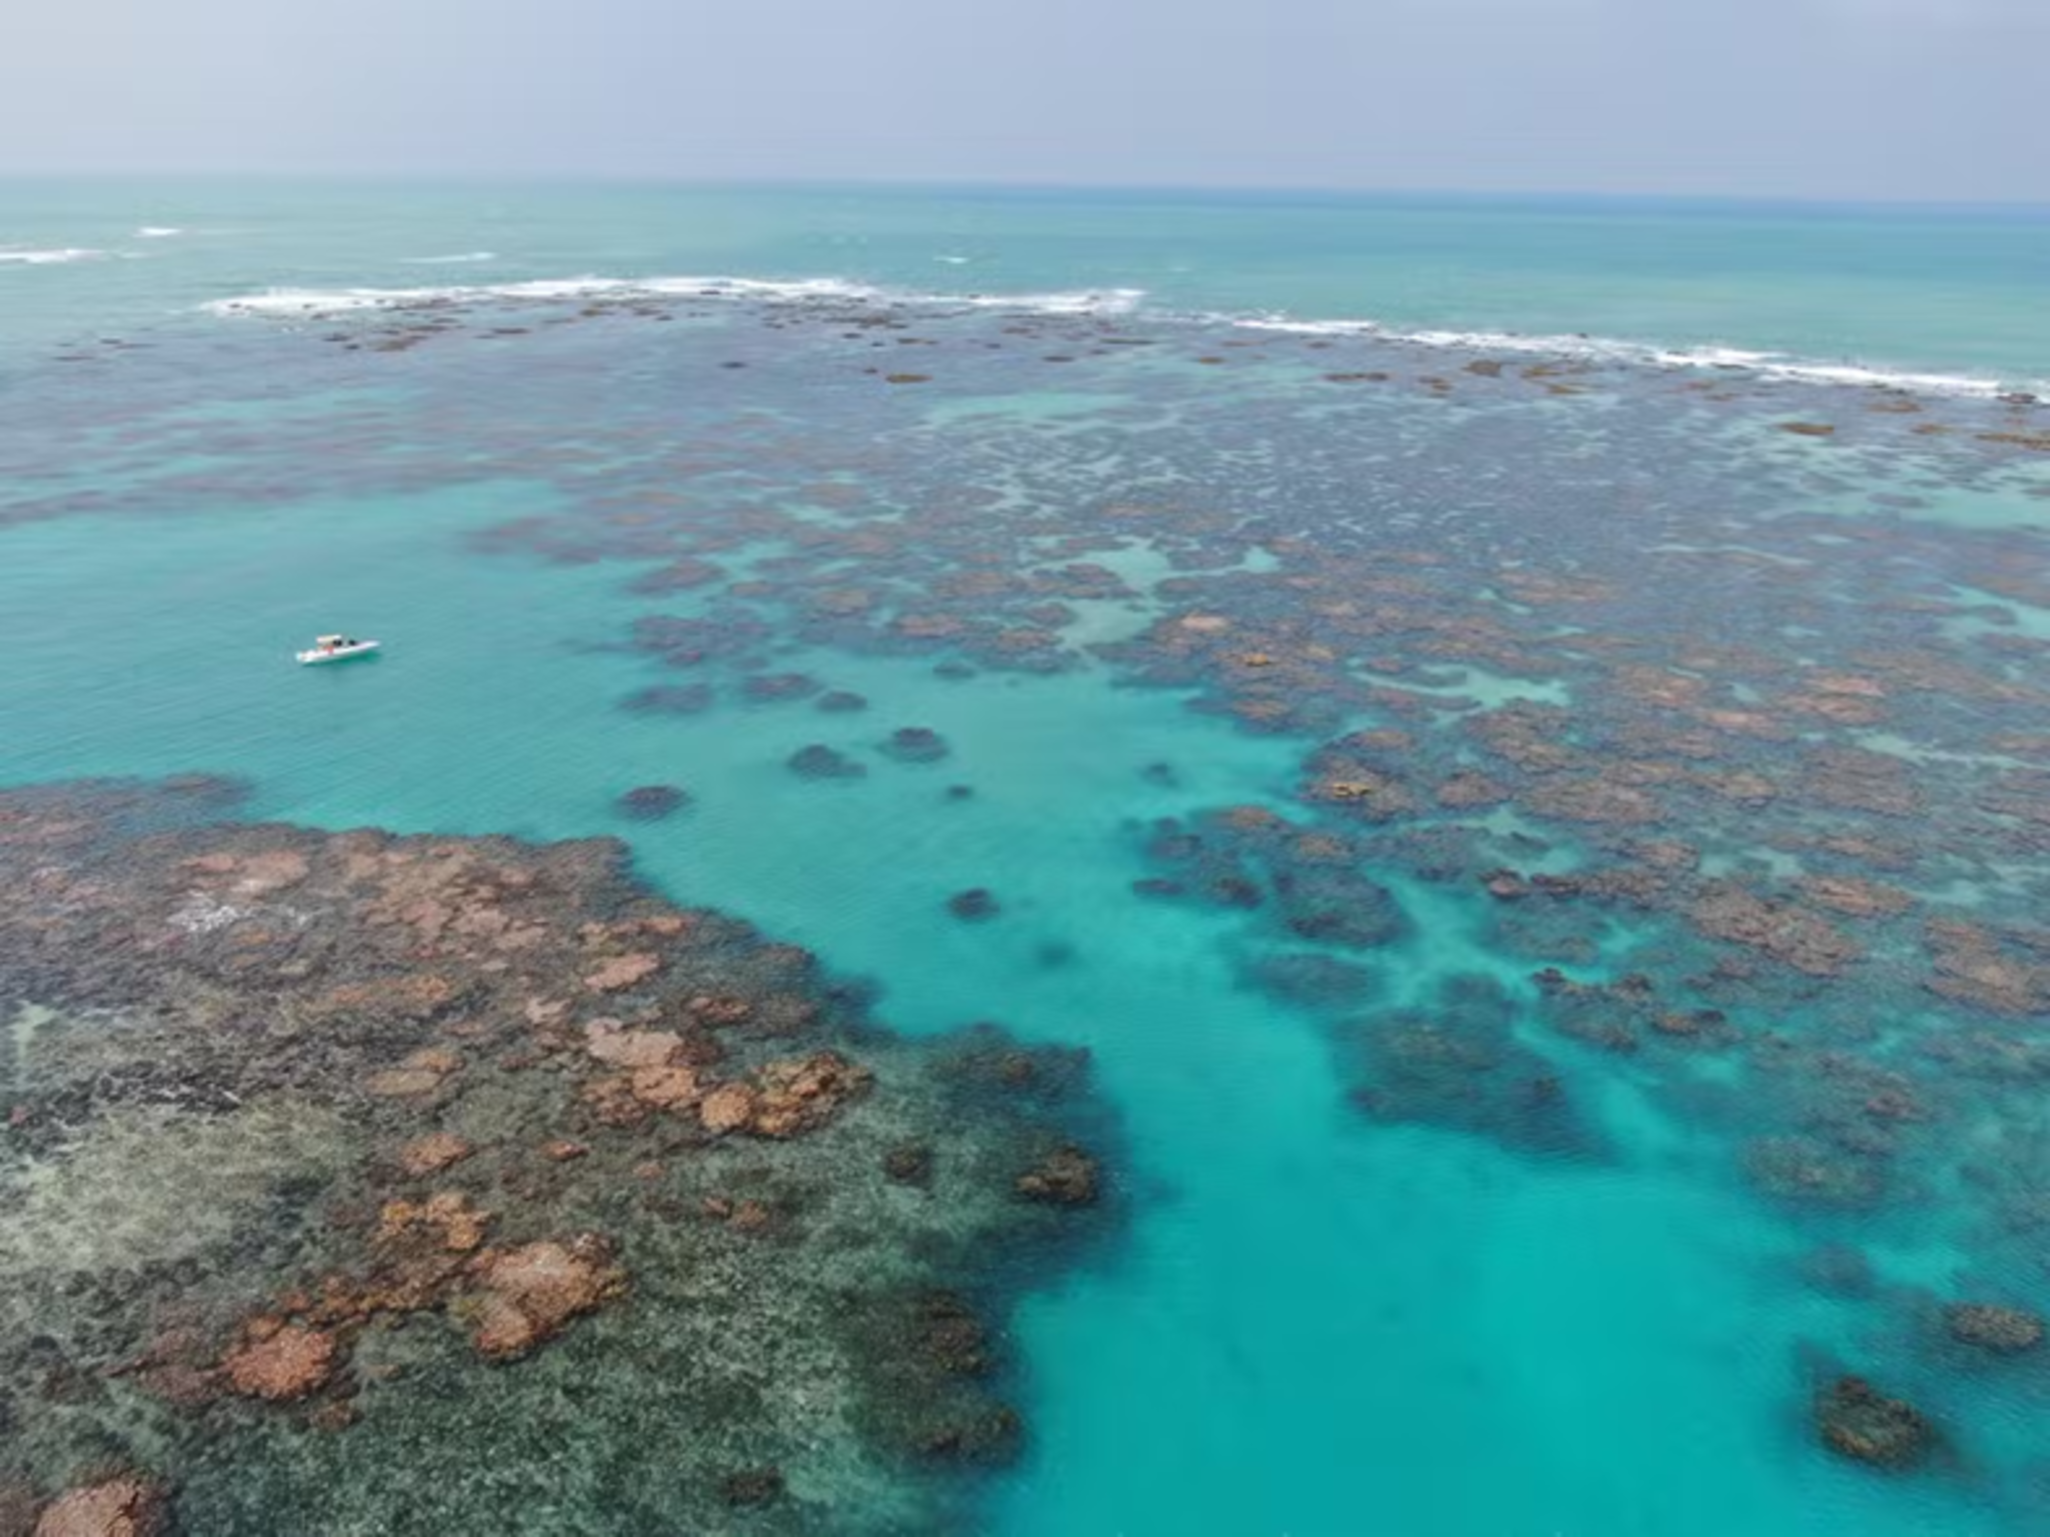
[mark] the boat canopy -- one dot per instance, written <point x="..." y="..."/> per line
<point x="330" y="640"/>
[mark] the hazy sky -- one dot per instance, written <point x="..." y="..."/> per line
<point x="1843" y="98"/>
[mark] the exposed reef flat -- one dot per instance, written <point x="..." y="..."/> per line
<point x="357" y="1183"/>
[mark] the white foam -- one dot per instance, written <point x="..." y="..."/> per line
<point x="1600" y="349"/>
<point x="50" y="258"/>
<point x="456" y="260"/>
<point x="306" y="302"/>
<point x="952" y="261"/>
<point x="309" y="302"/>
<point x="1091" y="301"/>
<point x="158" y="232"/>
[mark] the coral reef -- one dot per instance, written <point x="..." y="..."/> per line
<point x="121" y="1507"/>
<point x="974" y="905"/>
<point x="1459" y="1065"/>
<point x="651" y="803"/>
<point x="464" y="1133"/>
<point x="1680" y="705"/>
<point x="1990" y="1326"/>
<point x="1858" y="1421"/>
<point x="916" y="744"/>
<point x="819" y="761"/>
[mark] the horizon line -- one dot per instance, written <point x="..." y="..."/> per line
<point x="1021" y="184"/>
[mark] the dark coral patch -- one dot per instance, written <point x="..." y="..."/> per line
<point x="916" y="744"/>
<point x="974" y="905"/>
<point x="670" y="699"/>
<point x="770" y="687"/>
<point x="651" y="803"/>
<point x="1858" y="1421"/>
<point x="819" y="761"/>
<point x="1459" y="1065"/>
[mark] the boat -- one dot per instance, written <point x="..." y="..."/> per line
<point x="336" y="648"/>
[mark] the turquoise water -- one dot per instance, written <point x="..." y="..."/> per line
<point x="1927" y="291"/>
<point x="1441" y="1320"/>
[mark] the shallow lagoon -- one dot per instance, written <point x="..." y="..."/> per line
<point x="1550" y="1279"/>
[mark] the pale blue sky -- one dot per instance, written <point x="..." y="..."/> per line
<point x="1912" y="99"/>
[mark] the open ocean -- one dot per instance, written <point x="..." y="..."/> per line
<point x="1516" y="733"/>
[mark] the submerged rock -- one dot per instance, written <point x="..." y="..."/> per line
<point x="1809" y="1172"/>
<point x="1311" y="979"/>
<point x="120" y="1507"/>
<point x="1065" y="1177"/>
<point x="1459" y="1065"/>
<point x="1838" y="1270"/>
<point x="651" y="803"/>
<point x="767" y="687"/>
<point x="433" y="1153"/>
<point x="623" y="971"/>
<point x="819" y="761"/>
<point x="1799" y="938"/>
<point x="1857" y="1421"/>
<point x="17" y="1509"/>
<point x="752" y="1486"/>
<point x="937" y="1356"/>
<point x="669" y="699"/>
<point x="281" y="1362"/>
<point x="1989" y="1326"/>
<point x="974" y="905"/>
<point x="1336" y="906"/>
<point x="909" y="1163"/>
<point x="526" y="1295"/>
<point x="801" y="1094"/>
<point x="916" y="744"/>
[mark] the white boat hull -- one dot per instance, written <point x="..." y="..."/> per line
<point x="337" y="654"/>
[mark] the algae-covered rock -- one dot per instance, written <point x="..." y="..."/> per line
<point x="916" y="744"/>
<point x="1065" y="1177"/>
<point x="374" y="1183"/>
<point x="281" y="1363"/>
<point x="818" y="761"/>
<point x="1993" y="1327"/>
<point x="1858" y="1421"/>
<point x="651" y="803"/>
<point x="120" y="1507"/>
<point x="526" y="1295"/>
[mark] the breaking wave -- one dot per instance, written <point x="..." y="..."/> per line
<point x="306" y="303"/>
<point x="327" y="301"/>
<point x="1603" y="349"/>
<point x="50" y="258"/>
